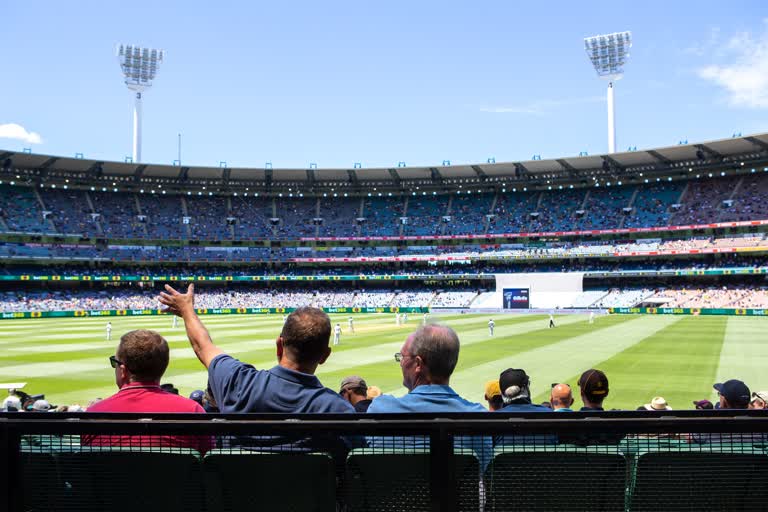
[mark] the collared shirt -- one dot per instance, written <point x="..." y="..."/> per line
<point x="431" y="398"/>
<point x="239" y="387"/>
<point x="141" y="397"/>
<point x="588" y="409"/>
<point x="563" y="409"/>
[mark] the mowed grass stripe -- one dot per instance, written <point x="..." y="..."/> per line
<point x="677" y="362"/>
<point x="552" y="361"/>
<point x="744" y="353"/>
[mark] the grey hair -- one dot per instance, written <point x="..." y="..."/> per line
<point x="438" y="347"/>
<point x="512" y="393"/>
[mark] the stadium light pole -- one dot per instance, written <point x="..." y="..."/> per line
<point x="608" y="54"/>
<point x="139" y="66"/>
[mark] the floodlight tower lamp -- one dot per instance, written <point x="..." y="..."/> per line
<point x="139" y="66"/>
<point x="608" y="54"/>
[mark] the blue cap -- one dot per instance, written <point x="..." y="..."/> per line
<point x="735" y="391"/>
<point x="197" y="396"/>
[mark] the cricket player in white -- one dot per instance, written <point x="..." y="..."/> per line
<point x="591" y="317"/>
<point x="397" y="318"/>
<point x="337" y="334"/>
<point x="175" y="321"/>
<point x="109" y="331"/>
<point x="491" y="325"/>
<point x="405" y="318"/>
<point x="551" y="320"/>
<point x="425" y="318"/>
<point x="351" y="322"/>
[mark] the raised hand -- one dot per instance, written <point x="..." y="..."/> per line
<point x="178" y="303"/>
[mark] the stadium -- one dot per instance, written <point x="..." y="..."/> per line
<point x="649" y="265"/>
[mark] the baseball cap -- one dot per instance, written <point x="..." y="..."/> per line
<point x="41" y="405"/>
<point x="762" y="395"/>
<point x="513" y="377"/>
<point x="594" y="383"/>
<point x="658" y="403"/>
<point x="353" y="382"/>
<point x="492" y="389"/>
<point x="703" y="404"/>
<point x="735" y="391"/>
<point x="12" y="402"/>
<point x="197" y="396"/>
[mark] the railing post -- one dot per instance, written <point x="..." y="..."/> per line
<point x="442" y="475"/>
<point x="11" y="482"/>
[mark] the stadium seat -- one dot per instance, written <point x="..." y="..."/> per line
<point x="130" y="480"/>
<point x="398" y="480"/>
<point x="253" y="480"/>
<point x="716" y="480"/>
<point x="556" y="478"/>
<point x="41" y="479"/>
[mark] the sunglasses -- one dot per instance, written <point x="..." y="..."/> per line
<point x="114" y="362"/>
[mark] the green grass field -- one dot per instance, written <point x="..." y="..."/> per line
<point x="644" y="356"/>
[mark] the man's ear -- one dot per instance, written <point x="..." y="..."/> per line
<point x="326" y="355"/>
<point x="279" y="347"/>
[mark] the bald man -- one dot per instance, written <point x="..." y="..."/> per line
<point x="561" y="398"/>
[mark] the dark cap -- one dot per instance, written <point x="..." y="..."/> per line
<point x="735" y="391"/>
<point x="703" y="404"/>
<point x="594" y="383"/>
<point x="197" y="396"/>
<point x="513" y="377"/>
<point x="354" y="382"/>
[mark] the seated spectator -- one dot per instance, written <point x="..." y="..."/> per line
<point x="594" y="389"/>
<point x="516" y="393"/>
<point x="40" y="406"/>
<point x="759" y="400"/>
<point x="170" y="388"/>
<point x="658" y="403"/>
<point x="289" y="387"/>
<point x="703" y="405"/>
<point x="561" y="398"/>
<point x="355" y="391"/>
<point x="734" y="394"/>
<point x="140" y="362"/>
<point x="493" y="395"/>
<point x="427" y="360"/>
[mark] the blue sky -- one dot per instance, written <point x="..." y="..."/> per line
<point x="335" y="83"/>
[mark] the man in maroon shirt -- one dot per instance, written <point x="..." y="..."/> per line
<point x="140" y="362"/>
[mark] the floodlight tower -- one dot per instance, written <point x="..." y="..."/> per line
<point x="139" y="65"/>
<point x="608" y="54"/>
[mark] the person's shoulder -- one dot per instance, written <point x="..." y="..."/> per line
<point x="105" y="405"/>
<point x="330" y="401"/>
<point x="383" y="403"/>
<point x="183" y="404"/>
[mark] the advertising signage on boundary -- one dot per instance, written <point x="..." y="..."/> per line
<point x="228" y="278"/>
<point x="689" y="311"/>
<point x="201" y="311"/>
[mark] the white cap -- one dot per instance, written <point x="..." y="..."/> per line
<point x="41" y="405"/>
<point x="12" y="401"/>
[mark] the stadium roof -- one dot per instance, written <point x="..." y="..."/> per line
<point x="732" y="151"/>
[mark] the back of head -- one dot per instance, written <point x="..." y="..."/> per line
<point x="514" y="384"/>
<point x="594" y="385"/>
<point x="561" y="396"/>
<point x="438" y="348"/>
<point x="145" y="354"/>
<point x="306" y="334"/>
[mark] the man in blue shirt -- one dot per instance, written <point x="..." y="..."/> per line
<point x="427" y="360"/>
<point x="516" y="393"/>
<point x="289" y="387"/>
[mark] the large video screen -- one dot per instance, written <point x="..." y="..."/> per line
<point x="516" y="298"/>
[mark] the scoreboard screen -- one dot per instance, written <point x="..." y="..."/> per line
<point x="516" y="298"/>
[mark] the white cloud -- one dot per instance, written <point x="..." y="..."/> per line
<point x="745" y="76"/>
<point x="541" y="107"/>
<point x="18" y="132"/>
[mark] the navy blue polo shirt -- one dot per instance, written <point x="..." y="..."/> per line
<point x="239" y="387"/>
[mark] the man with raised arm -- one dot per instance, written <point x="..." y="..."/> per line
<point x="289" y="387"/>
